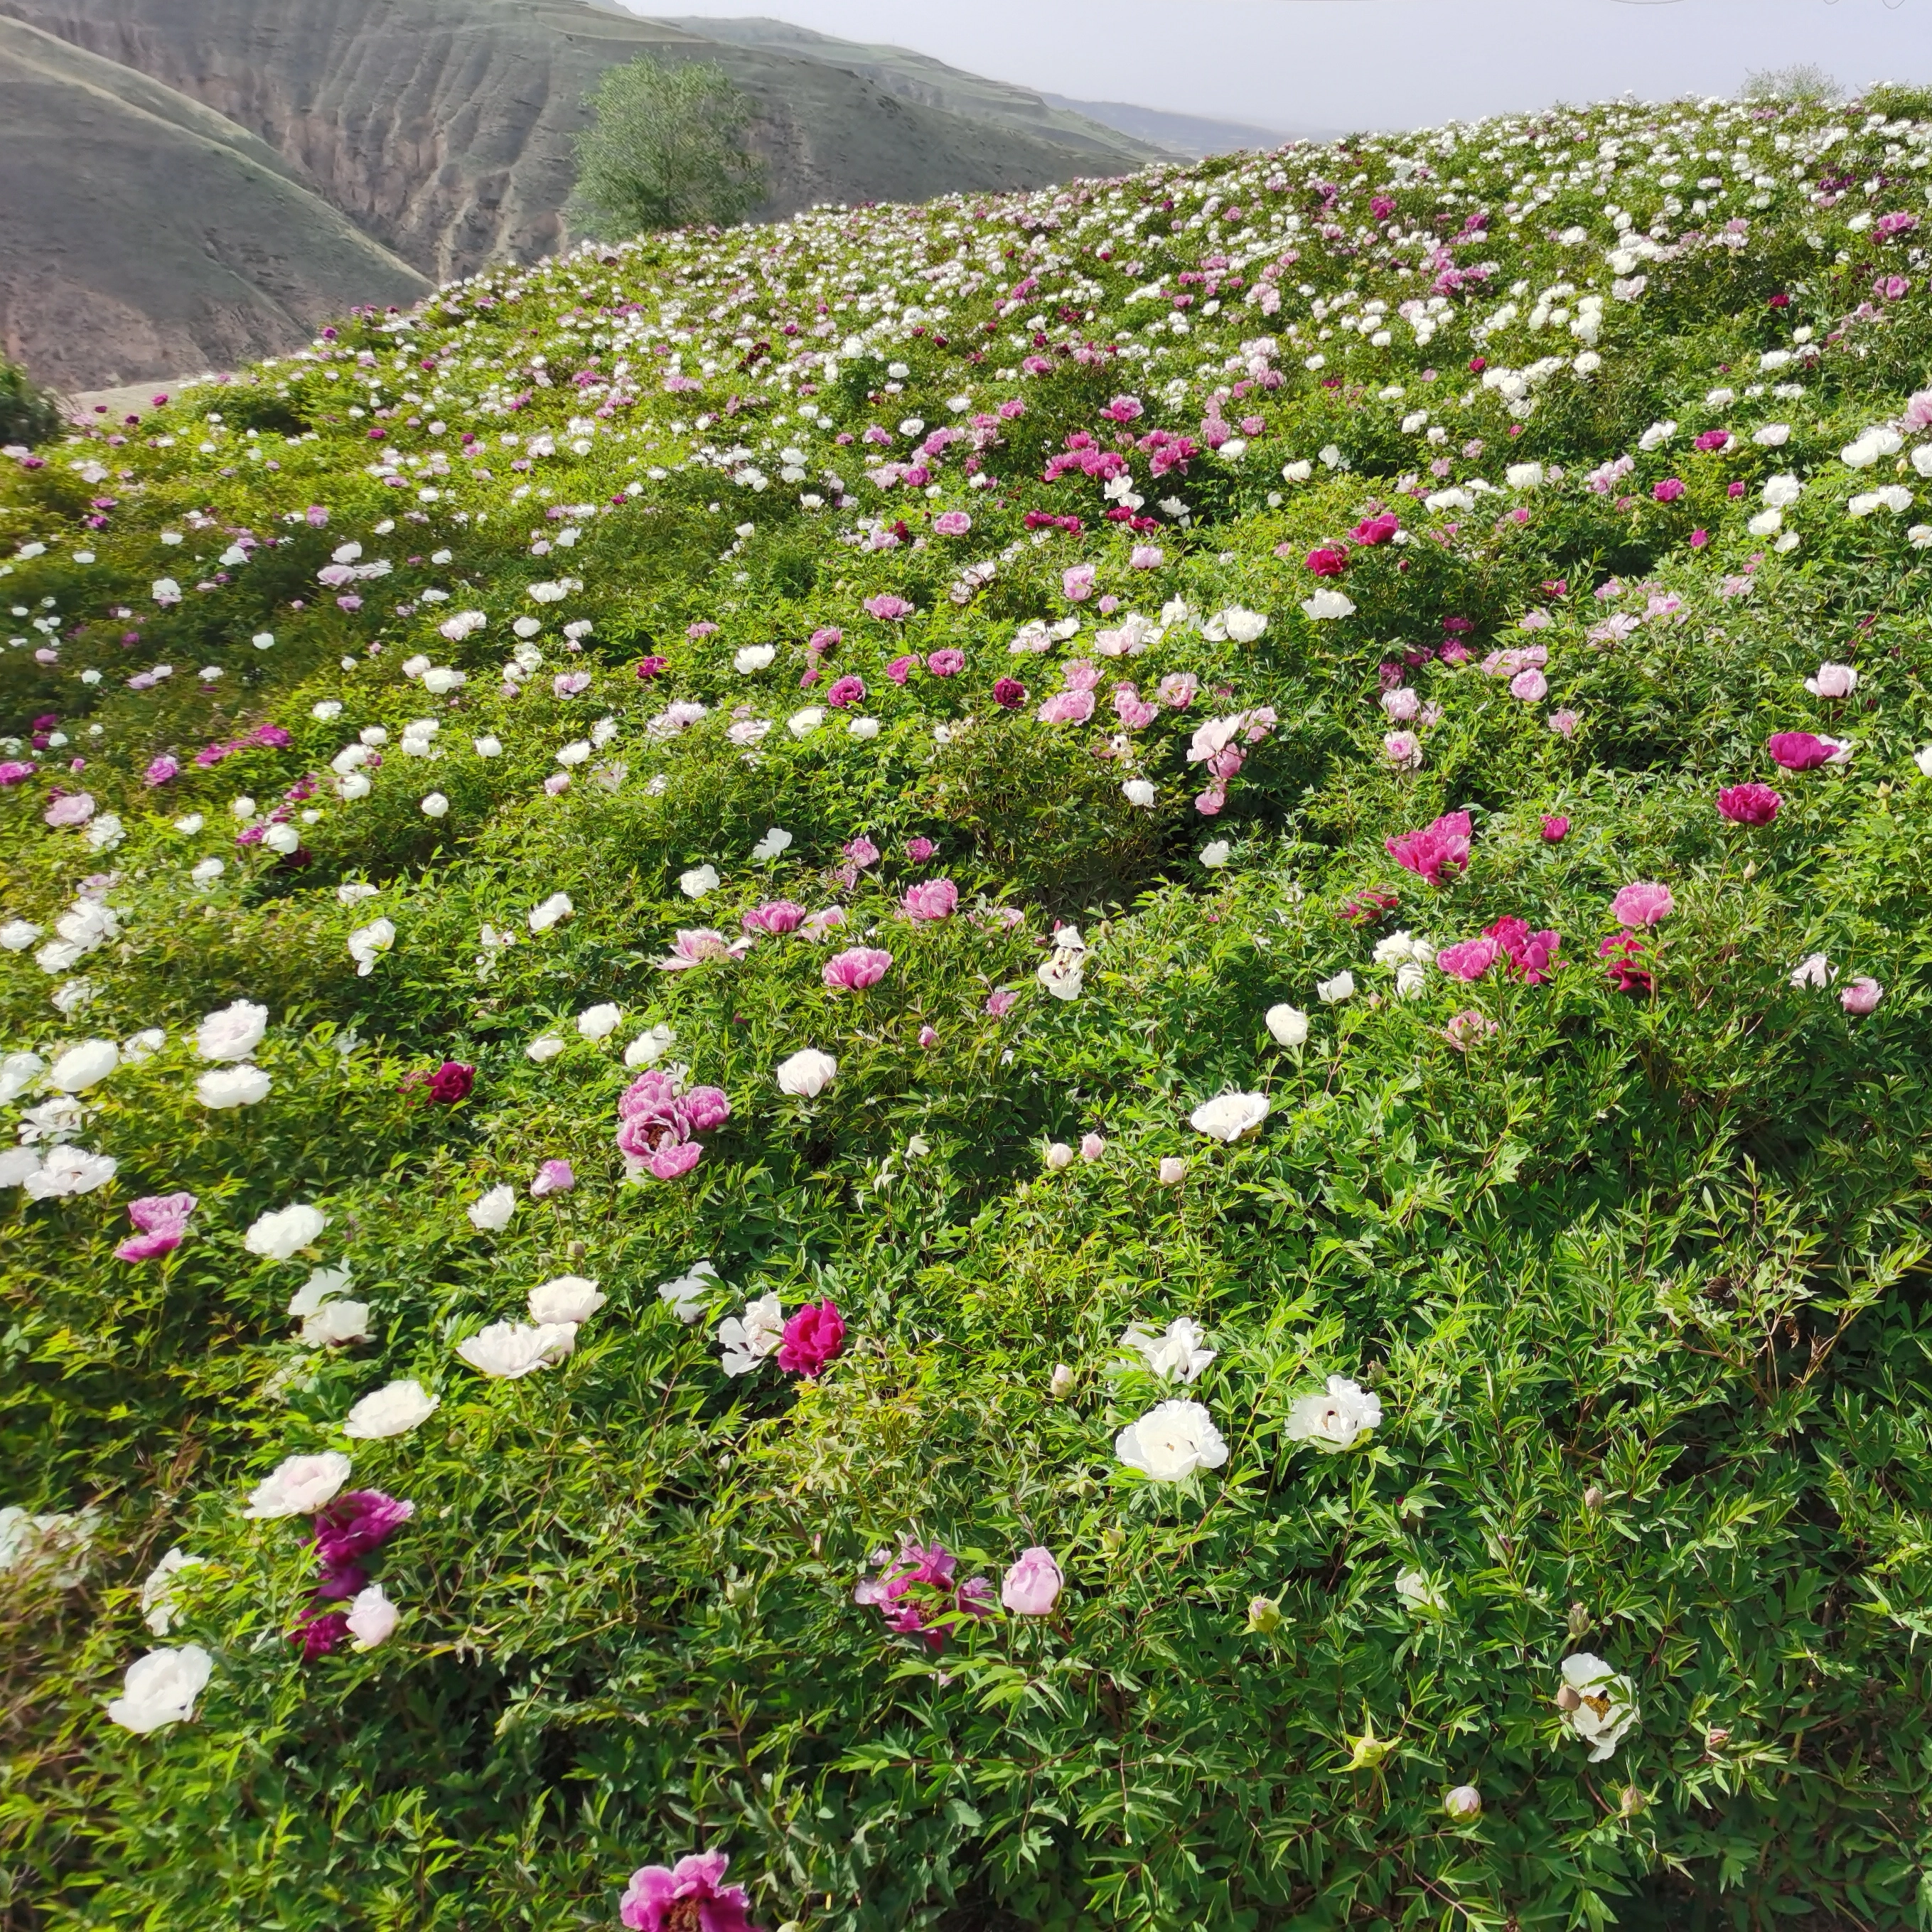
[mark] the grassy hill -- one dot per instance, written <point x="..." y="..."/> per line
<point x="142" y="233"/>
<point x="1059" y="1060"/>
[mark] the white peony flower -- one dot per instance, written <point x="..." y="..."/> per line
<point x="17" y="934"/>
<point x="573" y="1298"/>
<point x="1326" y="604"/>
<point x="372" y="1617"/>
<point x="1289" y="1025"/>
<point x="277" y="1237"/>
<point x="1139" y="792"/>
<point x="1171" y="1442"/>
<point x="143" y="1046"/>
<point x="752" y="658"/>
<point x="18" y="1071"/>
<point x="1417" y="1593"/>
<point x="231" y="1033"/>
<point x="1597" y="1705"/>
<point x="336" y="1323"/>
<point x="298" y="1485"/>
<point x="686" y="1296"/>
<point x="1215" y="854"/>
<point x="556" y="907"/>
<point x="158" y="1589"/>
<point x="367" y="944"/>
<point x="776" y="840"/>
<point x="394" y="1409"/>
<point x="1335" y="1420"/>
<point x="160" y="1688"/>
<point x="650" y="1046"/>
<point x="699" y="881"/>
<point x="1813" y="970"/>
<point x="807" y="1073"/>
<point x="598" y="1022"/>
<point x="1175" y="1354"/>
<point x="1229" y="1116"/>
<point x="224" y="1087"/>
<point x="322" y="1282"/>
<point x="83" y="1066"/>
<point x="1341" y="987"/>
<point x="746" y="1341"/>
<point x="67" y="1171"/>
<point x="491" y="1214"/>
<point x="545" y="1047"/>
<point x="507" y="1350"/>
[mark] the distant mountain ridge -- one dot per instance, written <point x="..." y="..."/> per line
<point x="1195" y="136"/>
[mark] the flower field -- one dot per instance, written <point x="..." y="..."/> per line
<point x="1055" y="1062"/>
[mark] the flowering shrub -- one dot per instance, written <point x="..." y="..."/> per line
<point x="1056" y="1062"/>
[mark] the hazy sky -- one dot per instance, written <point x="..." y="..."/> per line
<point x="1338" y="64"/>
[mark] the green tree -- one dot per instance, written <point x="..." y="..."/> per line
<point x="1804" y="80"/>
<point x="665" y="149"/>
<point x="28" y="414"/>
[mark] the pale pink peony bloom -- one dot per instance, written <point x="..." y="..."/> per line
<point x="1861" y="996"/>
<point x="1833" y="680"/>
<point x="1563" y="723"/>
<point x="695" y="948"/>
<point x="1077" y="584"/>
<point x="1033" y="1584"/>
<point x="1402" y="705"/>
<point x="1642" y="903"/>
<point x="70" y="809"/>
<point x="1092" y="1147"/>
<point x="931" y="899"/>
<point x="1059" y="1155"/>
<point x="852" y="971"/>
<point x="554" y="1177"/>
<point x="1402" y="749"/>
<point x="1529" y="685"/>
<point x="1172" y="1172"/>
<point x="1066" y="707"/>
<point x="1147" y="556"/>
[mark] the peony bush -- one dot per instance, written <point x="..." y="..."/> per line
<point x="1058" y="1061"/>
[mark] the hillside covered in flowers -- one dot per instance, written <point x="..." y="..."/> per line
<point x="1053" y="1062"/>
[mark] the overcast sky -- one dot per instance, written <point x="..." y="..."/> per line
<point x="1342" y="64"/>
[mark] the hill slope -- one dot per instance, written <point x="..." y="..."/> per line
<point x="1195" y="136"/>
<point x="442" y="127"/>
<point x="142" y="235"/>
<point x="1061" y="1062"/>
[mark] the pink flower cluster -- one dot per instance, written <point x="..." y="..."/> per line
<point x="1441" y="846"/>
<point x="354" y="1525"/>
<point x="689" y="1896"/>
<point x="658" y="1121"/>
<point x="1216" y="745"/>
<point x="1531" y="955"/>
<point x="916" y="1595"/>
<point x="161" y="1220"/>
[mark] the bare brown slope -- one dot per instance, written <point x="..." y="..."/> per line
<point x="142" y="236"/>
<point x="443" y="127"/>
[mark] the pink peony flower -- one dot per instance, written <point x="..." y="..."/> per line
<point x="1147" y="556"/>
<point x="1564" y="723"/>
<point x="1033" y="1584"/>
<point x="887" y="608"/>
<point x="691" y="1896"/>
<point x="554" y="1177"/>
<point x="862" y="852"/>
<point x="1529" y="685"/>
<point x="1749" y="804"/>
<point x="999" y="1002"/>
<point x="913" y="1592"/>
<point x="1669" y="491"/>
<point x="1554" y="830"/>
<point x="1642" y="903"/>
<point x="1470" y="959"/>
<point x="1177" y="690"/>
<point x="1008" y="694"/>
<point x="68" y="810"/>
<point x="774" y="917"/>
<point x="846" y="691"/>
<point x="1066" y="707"/>
<point x="161" y="769"/>
<point x="1532" y="956"/>
<point x="1861" y="996"/>
<point x="1076" y="583"/>
<point x="928" y="1037"/>
<point x="813" y="1337"/>
<point x="162" y="1219"/>
<point x="852" y="971"/>
<point x="948" y="663"/>
<point x="1434" y="848"/>
<point x="694" y="948"/>
<point x="1799" y="751"/>
<point x="951" y="524"/>
<point x="901" y="668"/>
<point x="931" y="899"/>
<point x="1329" y="560"/>
<point x="1465" y="1028"/>
<point x="1625" y="952"/>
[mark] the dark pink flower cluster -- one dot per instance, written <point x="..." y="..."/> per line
<point x="1530" y="956"/>
<point x="691" y="1896"/>
<point x="354" y="1525"/>
<point x="1749" y="804"/>
<point x="161" y="1220"/>
<point x="813" y="1337"/>
<point x="915" y="1591"/>
<point x="657" y="1122"/>
<point x="273" y="737"/>
<point x="1627" y="955"/>
<point x="1441" y="846"/>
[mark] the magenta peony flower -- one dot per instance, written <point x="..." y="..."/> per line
<point x="16" y="771"/>
<point x="352" y="1525"/>
<point x="948" y="663"/>
<point x="1033" y="1584"/>
<point x="852" y="971"/>
<point x="1469" y="960"/>
<point x="1532" y="956"/>
<point x="912" y="1592"/>
<point x="161" y="769"/>
<point x="1798" y="751"/>
<point x="1749" y="804"/>
<point x="931" y="899"/>
<point x="452" y="1082"/>
<point x="846" y="691"/>
<point x="1642" y="903"/>
<point x="1669" y="491"/>
<point x="1008" y="694"/>
<point x="1554" y="830"/>
<point x="1861" y="996"/>
<point x="919" y="850"/>
<point x="1330" y="560"/>
<point x="862" y="852"/>
<point x="691" y="1896"/>
<point x="1625" y="953"/>
<point x="813" y="1337"/>
<point x="162" y="1220"/>
<point x="1437" y="846"/>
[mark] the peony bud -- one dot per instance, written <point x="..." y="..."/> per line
<point x="1580" y="1620"/>
<point x="1630" y="1802"/>
<point x="1061" y="1384"/>
<point x="1568" y="1698"/>
<point x="1172" y="1171"/>
<point x="1263" y="1615"/>
<point x="1594" y="1498"/>
<point x="1058" y="1156"/>
<point x="1464" y="1804"/>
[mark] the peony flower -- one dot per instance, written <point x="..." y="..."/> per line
<point x="1059" y="1157"/>
<point x="1417" y="1593"/>
<point x="83" y="1066"/>
<point x="686" y="1296"/>
<point x="1092" y="1147"/>
<point x="160" y="1688"/>
<point x="506" y="1350"/>
<point x="856" y="969"/>
<point x="1172" y="1172"/>
<point x="1833" y="680"/>
<point x="367" y="944"/>
<point x="1289" y="1025"/>
<point x="701" y="879"/>
<point x="1800" y="750"/>
<point x="1441" y="846"/>
<point x="931" y="899"/>
<point x="1626" y="970"/>
<point x="490" y="1213"/>
<point x="231" y="1033"/>
<point x="298" y="1485"/>
<point x="394" y="1409"/>
<point x="598" y="1022"/>
<point x="1464" y="1804"/>
<point x="1335" y="1420"/>
<point x="1861" y="996"/>
<point x="1813" y="970"/>
<point x="574" y="1298"/>
<point x="158" y="1586"/>
<point x="544" y="1048"/>
<point x="161" y="1220"/>
<point x="555" y="908"/>
<point x="66" y="1170"/>
<point x="1642" y="903"/>
<point x="1749" y="804"/>
<point x="552" y="1177"/>
<point x="748" y="1340"/>
<point x="450" y="1083"/>
<point x="372" y="1617"/>
<point x="813" y="1337"/>
<point x="807" y="1073"/>
<point x="1330" y="992"/>
<point x="1176" y="1354"/>
<point x="1597" y="1706"/>
<point x="227" y="1087"/>
<point x="1171" y="1442"/>
<point x="277" y="1237"/>
<point x="1229" y="1116"/>
<point x="1032" y="1585"/>
<point x="336" y="1323"/>
<point x="691" y="1896"/>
